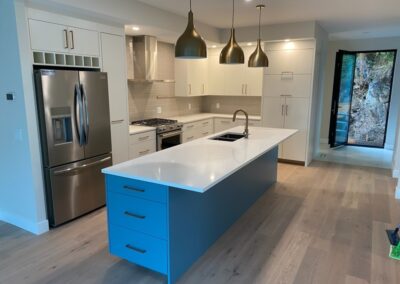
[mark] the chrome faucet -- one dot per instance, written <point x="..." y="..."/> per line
<point x="246" y="128"/>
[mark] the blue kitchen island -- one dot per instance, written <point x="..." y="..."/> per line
<point x="166" y="209"/>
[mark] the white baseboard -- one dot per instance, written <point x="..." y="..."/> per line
<point x="396" y="173"/>
<point x="35" y="228"/>
<point x="389" y="146"/>
<point x="397" y="195"/>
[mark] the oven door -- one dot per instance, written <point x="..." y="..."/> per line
<point x="169" y="139"/>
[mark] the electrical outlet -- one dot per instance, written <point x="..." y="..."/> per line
<point x="159" y="110"/>
<point x="189" y="106"/>
<point x="217" y="105"/>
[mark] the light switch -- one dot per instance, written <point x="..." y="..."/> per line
<point x="10" y="97"/>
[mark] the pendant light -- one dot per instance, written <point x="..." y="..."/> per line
<point x="258" y="58"/>
<point x="232" y="53"/>
<point x="190" y="44"/>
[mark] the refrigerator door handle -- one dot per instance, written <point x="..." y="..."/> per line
<point x="78" y="115"/>
<point x="85" y="114"/>
<point x="82" y="167"/>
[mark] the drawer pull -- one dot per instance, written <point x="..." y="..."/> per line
<point x="144" y="138"/>
<point x="144" y="152"/>
<point x="190" y="138"/>
<point x="205" y="133"/>
<point x="142" y="251"/>
<point x="190" y="126"/>
<point x="133" y="188"/>
<point x="205" y="123"/>
<point x="225" y="121"/>
<point x="127" y="213"/>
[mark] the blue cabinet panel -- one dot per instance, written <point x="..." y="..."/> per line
<point x="137" y="188"/>
<point x="138" y="248"/>
<point x="138" y="214"/>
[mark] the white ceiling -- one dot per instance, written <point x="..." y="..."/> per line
<point x="335" y="16"/>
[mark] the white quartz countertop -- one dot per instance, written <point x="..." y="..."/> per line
<point x="136" y="129"/>
<point x="202" y="163"/>
<point x="201" y="116"/>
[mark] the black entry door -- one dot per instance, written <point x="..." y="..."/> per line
<point x="341" y="99"/>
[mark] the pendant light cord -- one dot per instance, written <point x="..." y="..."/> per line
<point x="259" y="24"/>
<point x="190" y="5"/>
<point x="233" y="12"/>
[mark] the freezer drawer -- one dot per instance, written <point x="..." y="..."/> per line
<point x="75" y="189"/>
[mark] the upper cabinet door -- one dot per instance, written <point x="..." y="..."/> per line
<point x="216" y="76"/>
<point x="113" y="47"/>
<point x="253" y="76"/>
<point x="83" y="42"/>
<point x="290" y="61"/>
<point x="234" y="80"/>
<point x="191" y="77"/>
<point x="288" y="84"/>
<point x="48" y="37"/>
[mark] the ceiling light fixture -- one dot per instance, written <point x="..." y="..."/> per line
<point x="135" y="28"/>
<point x="258" y="58"/>
<point x="190" y="44"/>
<point x="232" y="53"/>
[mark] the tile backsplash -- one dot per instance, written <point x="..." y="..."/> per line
<point x="228" y="104"/>
<point x="146" y="99"/>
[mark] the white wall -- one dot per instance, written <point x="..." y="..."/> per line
<point x="21" y="186"/>
<point x="327" y="81"/>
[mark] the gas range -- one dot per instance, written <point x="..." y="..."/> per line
<point x="162" y="125"/>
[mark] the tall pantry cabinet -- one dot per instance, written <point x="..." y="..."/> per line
<point x="288" y="95"/>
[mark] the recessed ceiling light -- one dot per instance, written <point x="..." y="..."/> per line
<point x="214" y="46"/>
<point x="287" y="40"/>
<point x="135" y="28"/>
<point x="249" y="44"/>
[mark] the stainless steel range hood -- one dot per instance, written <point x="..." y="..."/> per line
<point x="144" y="56"/>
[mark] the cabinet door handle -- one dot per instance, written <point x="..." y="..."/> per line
<point x="117" y="121"/>
<point x="203" y="90"/>
<point x="137" y="216"/>
<point x="287" y="108"/>
<point x="142" y="251"/>
<point x="242" y="88"/>
<point x="205" y="123"/>
<point x="72" y="40"/>
<point x="144" y="152"/>
<point x="144" y="138"/>
<point x="66" y="39"/>
<point x="245" y="89"/>
<point x="190" y="138"/>
<point x="190" y="89"/>
<point x="282" y="110"/>
<point x="133" y="188"/>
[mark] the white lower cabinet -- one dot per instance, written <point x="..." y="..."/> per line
<point x="197" y="129"/>
<point x="142" y="144"/>
<point x="119" y="141"/>
<point x="290" y="113"/>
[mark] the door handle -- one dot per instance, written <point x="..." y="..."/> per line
<point x="66" y="39"/>
<point x="78" y="115"/>
<point x="72" y="39"/>
<point x="84" y="166"/>
<point x="85" y="114"/>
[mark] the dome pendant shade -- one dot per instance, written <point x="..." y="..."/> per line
<point x="190" y="44"/>
<point x="258" y="58"/>
<point x="232" y="53"/>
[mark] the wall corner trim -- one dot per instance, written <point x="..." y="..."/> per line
<point x="37" y="228"/>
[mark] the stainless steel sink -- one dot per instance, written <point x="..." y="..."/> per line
<point x="228" y="137"/>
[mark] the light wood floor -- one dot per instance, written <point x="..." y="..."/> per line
<point x="322" y="224"/>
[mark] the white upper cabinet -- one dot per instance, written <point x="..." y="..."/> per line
<point x="191" y="77"/>
<point x="288" y="84"/>
<point x="290" y="61"/>
<point x="51" y="37"/>
<point x="234" y="80"/>
<point x="216" y="76"/>
<point x="84" y="42"/>
<point x="48" y="37"/>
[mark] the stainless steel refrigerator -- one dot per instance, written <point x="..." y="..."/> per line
<point x="74" y="121"/>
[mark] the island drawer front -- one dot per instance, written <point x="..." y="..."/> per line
<point x="138" y="248"/>
<point x="137" y="188"/>
<point x="138" y="214"/>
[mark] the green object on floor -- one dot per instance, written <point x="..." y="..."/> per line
<point x="395" y="252"/>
